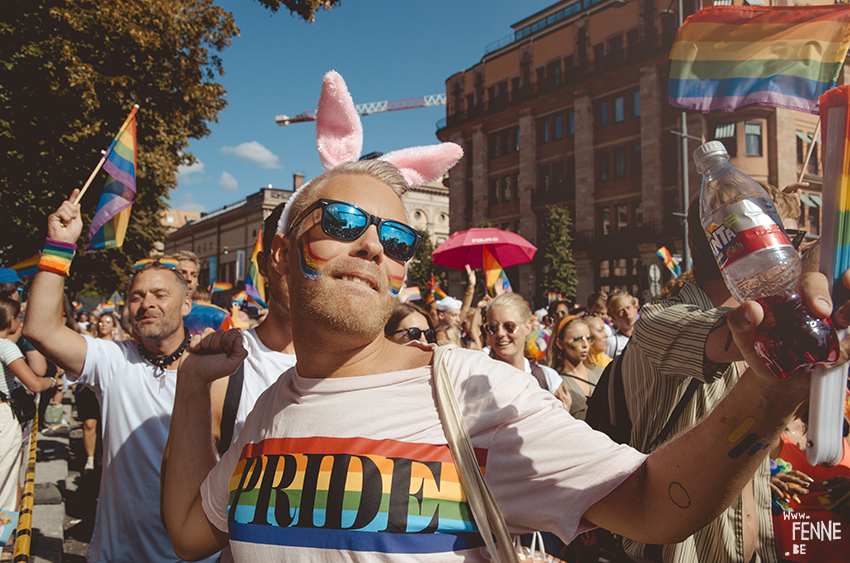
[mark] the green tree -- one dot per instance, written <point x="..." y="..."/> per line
<point x="421" y="267"/>
<point x="559" y="268"/>
<point x="71" y="71"/>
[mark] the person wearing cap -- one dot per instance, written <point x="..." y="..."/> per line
<point x="10" y="284"/>
<point x="135" y="383"/>
<point x="448" y="311"/>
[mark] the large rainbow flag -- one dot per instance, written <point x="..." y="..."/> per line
<point x="726" y="57"/>
<point x="255" y="284"/>
<point x="110" y="221"/>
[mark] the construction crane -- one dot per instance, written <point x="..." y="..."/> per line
<point x="374" y="107"/>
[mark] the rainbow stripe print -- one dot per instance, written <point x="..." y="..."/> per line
<point x="726" y="57"/>
<point x="353" y="494"/>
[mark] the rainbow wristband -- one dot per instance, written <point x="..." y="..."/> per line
<point x="57" y="256"/>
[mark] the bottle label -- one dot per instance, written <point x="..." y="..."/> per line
<point x="742" y="228"/>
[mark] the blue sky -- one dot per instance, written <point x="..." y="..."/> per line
<point x="385" y="50"/>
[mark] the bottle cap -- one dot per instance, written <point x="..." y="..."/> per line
<point x="706" y="152"/>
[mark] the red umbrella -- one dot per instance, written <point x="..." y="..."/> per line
<point x="467" y="247"/>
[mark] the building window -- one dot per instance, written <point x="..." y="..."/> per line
<point x="506" y="188"/>
<point x="572" y="120"/>
<point x="602" y="166"/>
<point x="494" y="191"/>
<point x="725" y="133"/>
<point x="543" y="177"/>
<point x="635" y="161"/>
<point x="516" y="138"/>
<point x="636" y="103"/>
<point x="622" y="211"/>
<point x="619" y="109"/>
<point x="505" y="142"/>
<point x="493" y="145"/>
<point x="638" y="218"/>
<point x="620" y="163"/>
<point x="558" y="173"/>
<point x="603" y="114"/>
<point x="615" y="48"/>
<point x="516" y="186"/>
<point x="543" y="131"/>
<point x="604" y="223"/>
<point x="559" y="127"/>
<point x="753" y="136"/>
<point x="599" y="55"/>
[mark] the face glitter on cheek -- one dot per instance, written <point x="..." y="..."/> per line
<point x="395" y="285"/>
<point x="311" y="265"/>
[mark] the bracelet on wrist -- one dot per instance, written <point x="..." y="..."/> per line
<point x="57" y="256"/>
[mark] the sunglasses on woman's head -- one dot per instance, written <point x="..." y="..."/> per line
<point x="347" y="222"/>
<point x="493" y="328"/>
<point x="414" y="334"/>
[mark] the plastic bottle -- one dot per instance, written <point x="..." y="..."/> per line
<point x="759" y="263"/>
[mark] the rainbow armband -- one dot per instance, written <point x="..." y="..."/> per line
<point x="57" y="256"/>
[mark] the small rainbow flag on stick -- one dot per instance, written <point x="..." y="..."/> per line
<point x="27" y="268"/>
<point x="726" y="57"/>
<point x="255" y="284"/>
<point x="221" y="286"/>
<point x="410" y="294"/>
<point x="109" y="224"/>
<point x="668" y="260"/>
<point x="495" y="275"/>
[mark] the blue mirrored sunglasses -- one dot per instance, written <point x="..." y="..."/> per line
<point x="347" y="222"/>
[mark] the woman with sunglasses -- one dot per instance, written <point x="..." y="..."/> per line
<point x="409" y="322"/>
<point x="569" y="348"/>
<point x="506" y="330"/>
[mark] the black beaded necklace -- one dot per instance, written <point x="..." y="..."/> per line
<point x="162" y="361"/>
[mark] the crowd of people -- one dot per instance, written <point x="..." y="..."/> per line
<point x="239" y="439"/>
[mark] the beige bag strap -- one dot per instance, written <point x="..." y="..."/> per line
<point x="485" y="511"/>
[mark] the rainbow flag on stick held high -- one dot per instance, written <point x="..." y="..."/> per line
<point x="411" y="293"/>
<point x="27" y="268"/>
<point x="110" y="221"/>
<point x="495" y="275"/>
<point x="220" y="286"/>
<point x="726" y="57"/>
<point x="668" y="260"/>
<point x="255" y="284"/>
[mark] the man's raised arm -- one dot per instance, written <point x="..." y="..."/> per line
<point x="44" y="326"/>
<point x="687" y="482"/>
<point x="189" y="454"/>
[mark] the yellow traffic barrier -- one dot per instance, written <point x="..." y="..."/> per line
<point x="23" y="537"/>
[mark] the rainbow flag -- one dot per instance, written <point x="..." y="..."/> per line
<point x="668" y="260"/>
<point x="108" y="307"/>
<point x="221" y="286"/>
<point x="78" y="308"/>
<point x="110" y="221"/>
<point x="495" y="275"/>
<point x="726" y="57"/>
<point x="555" y="297"/>
<point x="412" y="293"/>
<point x="27" y="268"/>
<point x="255" y="284"/>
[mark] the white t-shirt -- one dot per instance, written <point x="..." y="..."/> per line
<point x="136" y="401"/>
<point x="9" y="352"/>
<point x="616" y="343"/>
<point x="262" y="368"/>
<point x="358" y="468"/>
<point x="553" y="380"/>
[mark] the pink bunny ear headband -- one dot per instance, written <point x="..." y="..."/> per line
<point x="339" y="137"/>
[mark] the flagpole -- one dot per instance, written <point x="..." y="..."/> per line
<point x="809" y="153"/>
<point x="106" y="154"/>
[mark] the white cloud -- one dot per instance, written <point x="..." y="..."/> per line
<point x="190" y="174"/>
<point x="189" y="204"/>
<point x="228" y="183"/>
<point x="255" y="153"/>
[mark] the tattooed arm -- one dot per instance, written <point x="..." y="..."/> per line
<point x="676" y="491"/>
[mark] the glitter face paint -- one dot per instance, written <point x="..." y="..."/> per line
<point x="311" y="265"/>
<point x="395" y="285"/>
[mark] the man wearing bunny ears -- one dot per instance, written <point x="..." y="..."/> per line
<point x="344" y="457"/>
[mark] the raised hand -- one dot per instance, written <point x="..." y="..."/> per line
<point x="65" y="223"/>
<point x="213" y="355"/>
